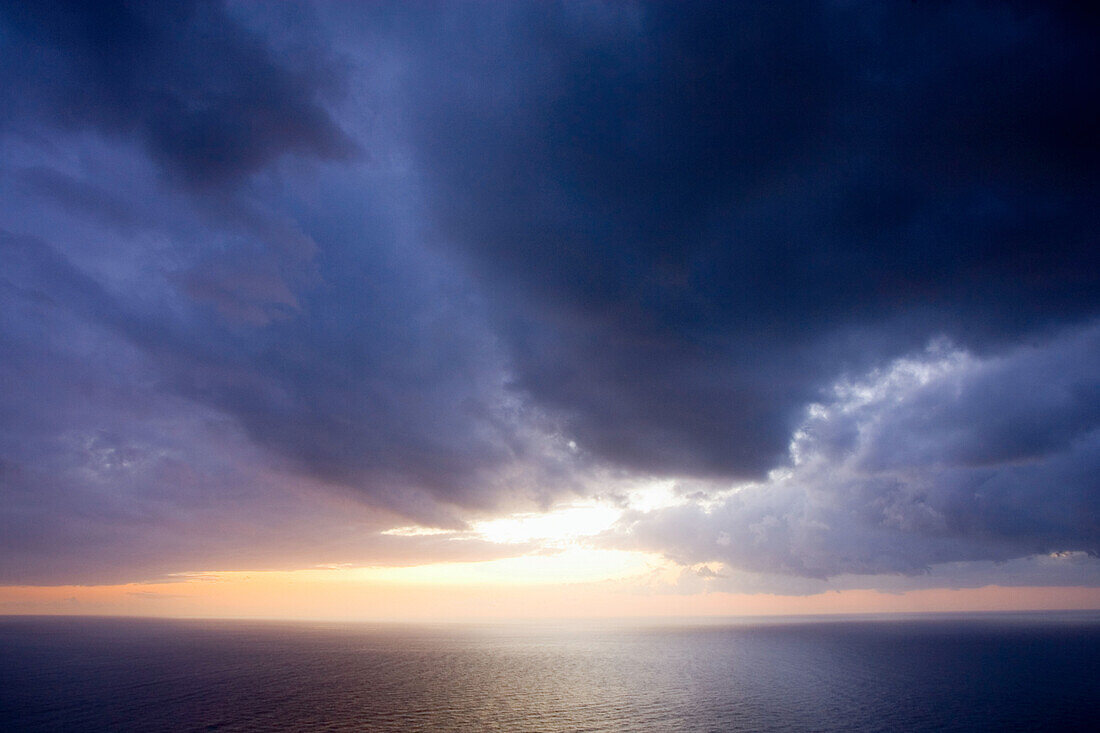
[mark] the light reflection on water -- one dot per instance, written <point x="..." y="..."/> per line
<point x="997" y="672"/>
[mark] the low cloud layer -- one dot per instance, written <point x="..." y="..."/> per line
<point x="276" y="278"/>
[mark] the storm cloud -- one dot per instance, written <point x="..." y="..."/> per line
<point x="695" y="218"/>
<point x="283" y="277"/>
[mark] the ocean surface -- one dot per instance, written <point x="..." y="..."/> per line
<point x="997" y="672"/>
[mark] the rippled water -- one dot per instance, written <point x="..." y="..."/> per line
<point x="997" y="672"/>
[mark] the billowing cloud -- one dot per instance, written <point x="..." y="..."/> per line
<point x="939" y="458"/>
<point x="274" y="279"/>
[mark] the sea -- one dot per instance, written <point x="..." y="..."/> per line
<point x="988" y="672"/>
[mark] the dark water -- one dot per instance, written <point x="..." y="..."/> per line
<point x="996" y="672"/>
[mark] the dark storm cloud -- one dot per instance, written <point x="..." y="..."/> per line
<point x="208" y="99"/>
<point x="693" y="217"/>
<point x="433" y="260"/>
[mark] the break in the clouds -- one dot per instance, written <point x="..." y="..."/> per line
<point x="276" y="278"/>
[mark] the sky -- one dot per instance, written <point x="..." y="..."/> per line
<point x="441" y="310"/>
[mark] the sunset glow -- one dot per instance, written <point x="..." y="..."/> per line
<point x="391" y="310"/>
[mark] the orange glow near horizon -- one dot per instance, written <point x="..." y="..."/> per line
<point x="353" y="595"/>
<point x="567" y="579"/>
